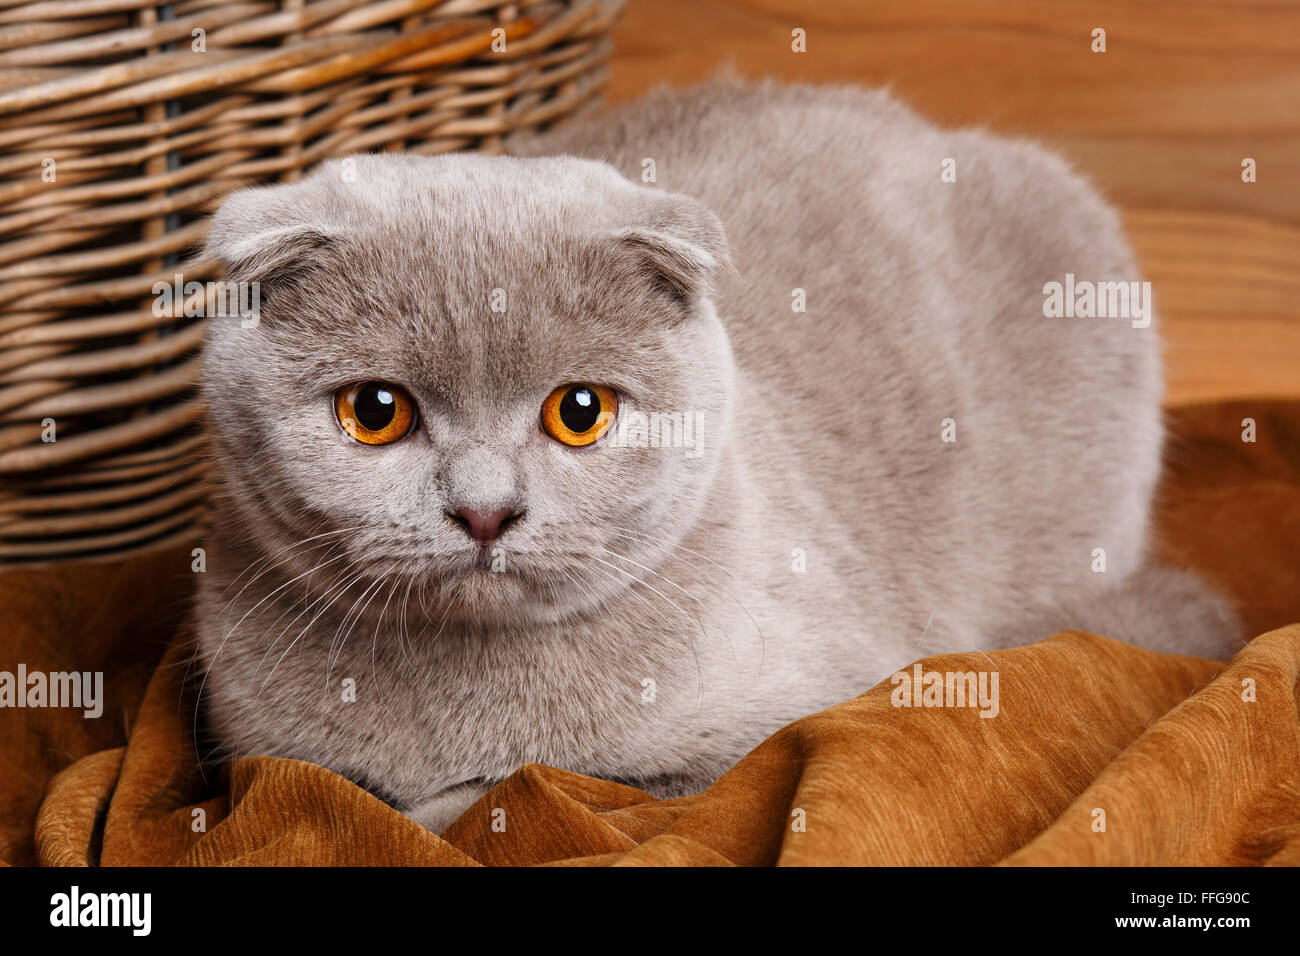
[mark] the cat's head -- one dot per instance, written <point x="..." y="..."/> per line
<point x="501" y="378"/>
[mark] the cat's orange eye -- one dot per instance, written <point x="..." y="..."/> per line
<point x="375" y="413"/>
<point x="578" y="415"/>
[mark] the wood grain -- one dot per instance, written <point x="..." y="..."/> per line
<point x="1160" y="122"/>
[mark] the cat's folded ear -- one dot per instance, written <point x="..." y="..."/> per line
<point x="256" y="235"/>
<point x="679" y="247"/>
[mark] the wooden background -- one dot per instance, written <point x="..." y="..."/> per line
<point x="1161" y="122"/>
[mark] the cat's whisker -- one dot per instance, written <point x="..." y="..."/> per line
<point x="556" y="600"/>
<point x="676" y="547"/>
<point x="374" y="644"/>
<point x="286" y="584"/>
<point x="597" y="601"/>
<point x="198" y="697"/>
<point x="298" y="550"/>
<point x="403" y="634"/>
<point x="253" y="580"/>
<point x="406" y="609"/>
<point x="651" y="587"/>
<point x="731" y="647"/>
<point x="325" y="592"/>
<point x="350" y="621"/>
<point x="289" y="547"/>
<point x="421" y="594"/>
<point x="631" y="589"/>
<point x="334" y="577"/>
<point x="332" y="602"/>
<point x="442" y="622"/>
<point x="623" y="557"/>
<point x="671" y="549"/>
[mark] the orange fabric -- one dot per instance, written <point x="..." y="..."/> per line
<point x="1187" y="761"/>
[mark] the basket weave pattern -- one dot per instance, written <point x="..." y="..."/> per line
<point x="122" y="124"/>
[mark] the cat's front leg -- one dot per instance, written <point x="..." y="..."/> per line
<point x="443" y="808"/>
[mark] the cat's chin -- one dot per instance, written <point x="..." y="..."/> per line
<point x="485" y="597"/>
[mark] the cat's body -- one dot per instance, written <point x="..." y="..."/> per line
<point x="822" y="535"/>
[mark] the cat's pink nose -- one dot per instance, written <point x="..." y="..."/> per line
<point x="484" y="525"/>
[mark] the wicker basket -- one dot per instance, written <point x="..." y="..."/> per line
<point x="121" y="124"/>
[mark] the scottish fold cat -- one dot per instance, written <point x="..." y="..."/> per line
<point x="689" y="421"/>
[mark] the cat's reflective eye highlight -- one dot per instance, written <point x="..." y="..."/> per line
<point x="578" y="415"/>
<point x="375" y="413"/>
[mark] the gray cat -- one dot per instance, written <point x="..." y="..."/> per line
<point x="619" y="463"/>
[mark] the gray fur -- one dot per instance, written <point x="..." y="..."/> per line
<point x="822" y="434"/>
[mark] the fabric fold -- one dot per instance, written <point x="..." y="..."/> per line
<point x="1189" y="762"/>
